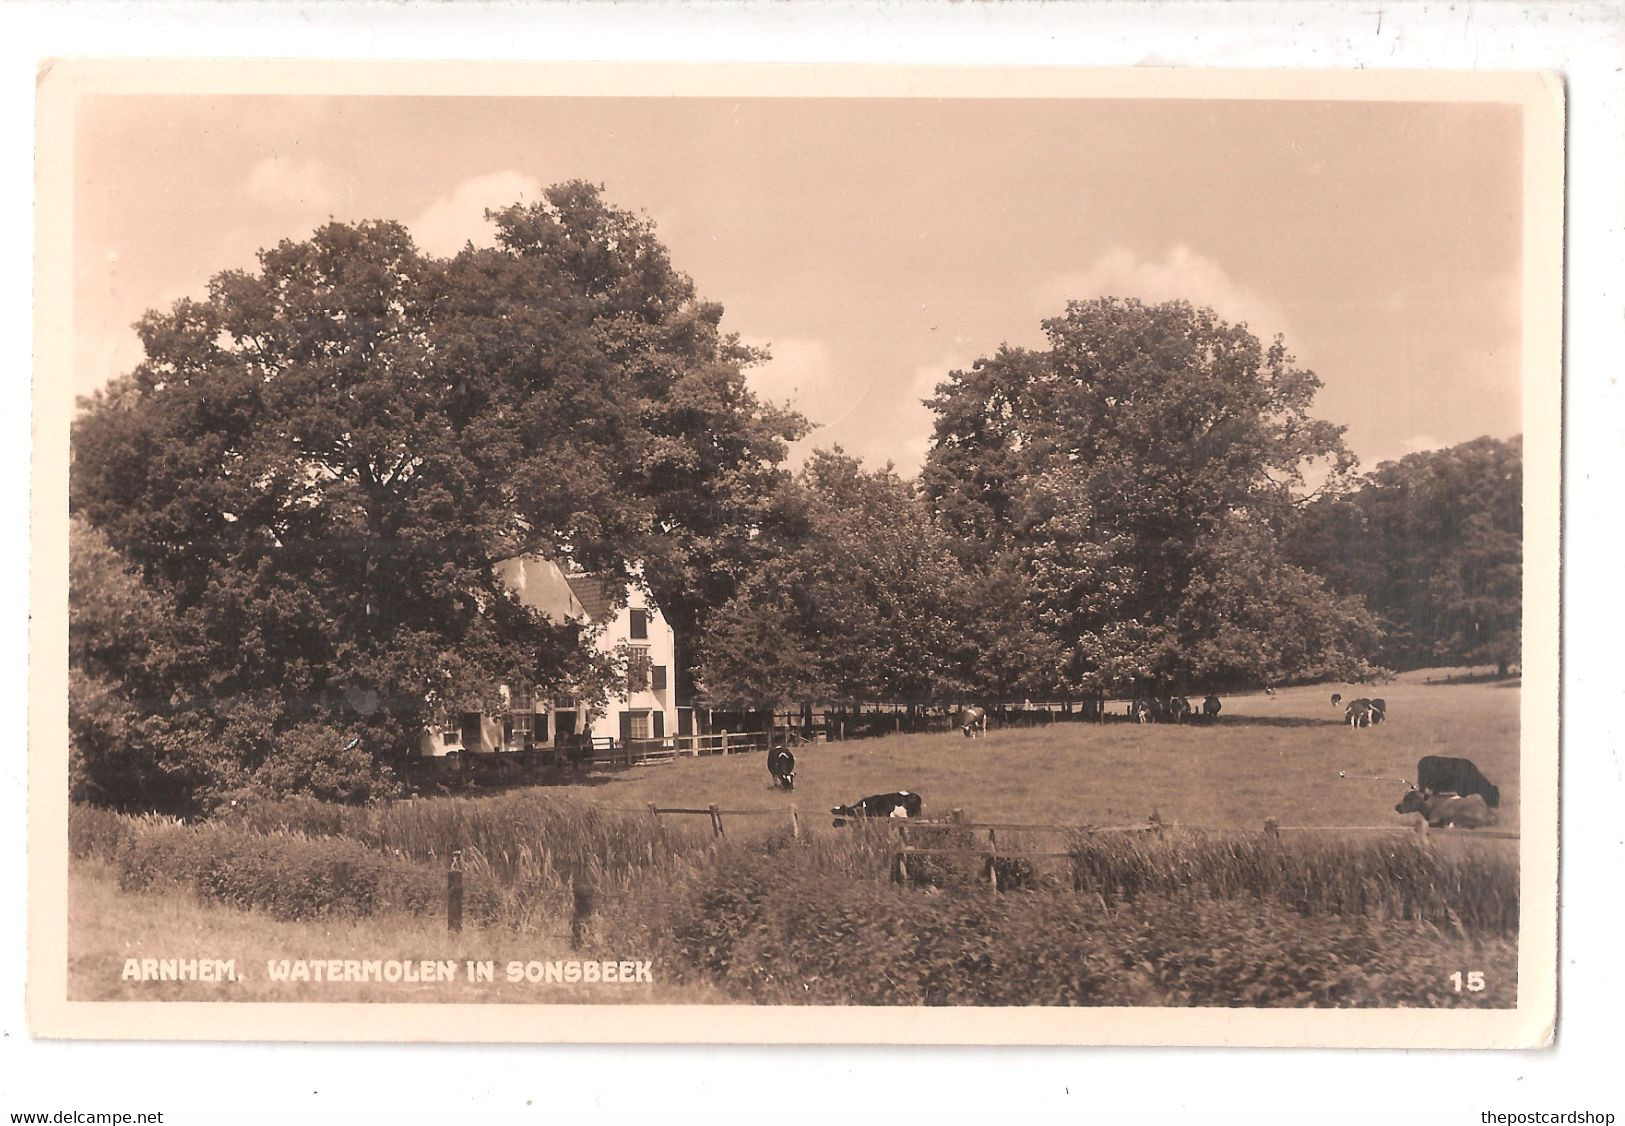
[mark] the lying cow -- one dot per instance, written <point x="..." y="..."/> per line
<point x="1442" y="810"/>
<point x="972" y="721"/>
<point x="1437" y="774"/>
<point x="1337" y="698"/>
<point x="899" y="804"/>
<point x="782" y="765"/>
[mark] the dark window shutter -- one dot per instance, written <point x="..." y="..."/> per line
<point x="660" y="724"/>
<point x="660" y="678"/>
<point x="540" y="734"/>
<point x="626" y="728"/>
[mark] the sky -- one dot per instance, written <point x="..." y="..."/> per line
<point x="875" y="245"/>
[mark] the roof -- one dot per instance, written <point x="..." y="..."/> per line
<point x="589" y="593"/>
<point x="540" y="584"/>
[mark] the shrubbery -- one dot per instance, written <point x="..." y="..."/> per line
<point x="287" y="876"/>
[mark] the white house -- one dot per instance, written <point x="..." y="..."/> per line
<point x="646" y="708"/>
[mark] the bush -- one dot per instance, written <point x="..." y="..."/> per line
<point x="323" y="763"/>
<point x="290" y="877"/>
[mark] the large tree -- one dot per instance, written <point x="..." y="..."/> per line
<point x="319" y="464"/>
<point x="856" y="600"/>
<point x="1135" y="476"/>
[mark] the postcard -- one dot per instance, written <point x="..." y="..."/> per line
<point x="591" y="553"/>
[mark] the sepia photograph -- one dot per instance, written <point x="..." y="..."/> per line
<point x="882" y="555"/>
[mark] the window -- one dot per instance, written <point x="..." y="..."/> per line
<point x="637" y="669"/>
<point x="640" y="625"/>
<point x="659" y="678"/>
<point x="524" y="724"/>
<point x="640" y="725"/>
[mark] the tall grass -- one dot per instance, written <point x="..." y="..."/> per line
<point x="1392" y="877"/>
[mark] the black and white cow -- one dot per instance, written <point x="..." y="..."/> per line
<point x="782" y="765"/>
<point x="1379" y="710"/>
<point x="1468" y="811"/>
<point x="1337" y="698"/>
<point x="901" y="803"/>
<point x="1437" y="774"/>
<point x="1359" y="713"/>
<point x="973" y="721"/>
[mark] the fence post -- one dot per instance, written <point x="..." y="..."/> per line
<point x="1422" y="829"/>
<point x="654" y="811"/>
<point x="581" y="905"/>
<point x="993" y="861"/>
<point x="454" y="893"/>
<point x="724" y="740"/>
<point x="716" y="821"/>
<point x="1272" y="829"/>
<point x="795" y="822"/>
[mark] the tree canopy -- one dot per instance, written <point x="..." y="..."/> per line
<point x="853" y="601"/>
<point x="1433" y="543"/>
<point x="1132" y="480"/>
<point x="317" y="465"/>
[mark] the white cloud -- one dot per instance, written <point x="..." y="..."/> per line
<point x="281" y="183"/>
<point x="1416" y="443"/>
<point x="802" y="373"/>
<point x="459" y="216"/>
<point x="1183" y="274"/>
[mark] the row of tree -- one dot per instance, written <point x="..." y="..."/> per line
<point x="286" y="517"/>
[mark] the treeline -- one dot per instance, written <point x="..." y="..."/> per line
<point x="285" y="519"/>
<point x="1433" y="544"/>
<point x="1106" y="513"/>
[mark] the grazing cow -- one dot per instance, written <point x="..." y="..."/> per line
<point x="1268" y="691"/>
<point x="1379" y="710"/>
<point x="898" y="804"/>
<point x="972" y="721"/>
<point x="1181" y="709"/>
<point x="782" y="765"/>
<point x="1358" y="713"/>
<point x="1337" y="698"/>
<point x="1211" y="707"/>
<point x="1437" y="774"/>
<point x="1442" y="810"/>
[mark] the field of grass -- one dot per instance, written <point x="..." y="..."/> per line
<point x="1266" y="757"/>
<point x="1211" y="913"/>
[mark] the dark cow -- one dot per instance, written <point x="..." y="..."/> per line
<point x="782" y="765"/>
<point x="898" y="804"/>
<point x="1437" y="774"/>
<point x="1181" y="709"/>
<point x="1447" y="810"/>
<point x="1211" y="707"/>
<point x="1337" y="698"/>
<point x="1379" y="710"/>
<point x="972" y="721"/>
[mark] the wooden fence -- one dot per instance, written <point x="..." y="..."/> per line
<point x="717" y="813"/>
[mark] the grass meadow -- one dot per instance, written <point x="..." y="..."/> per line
<point x="1212" y="912"/>
<point x="1268" y="756"/>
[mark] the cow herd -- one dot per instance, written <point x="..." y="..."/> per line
<point x="1362" y="712"/>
